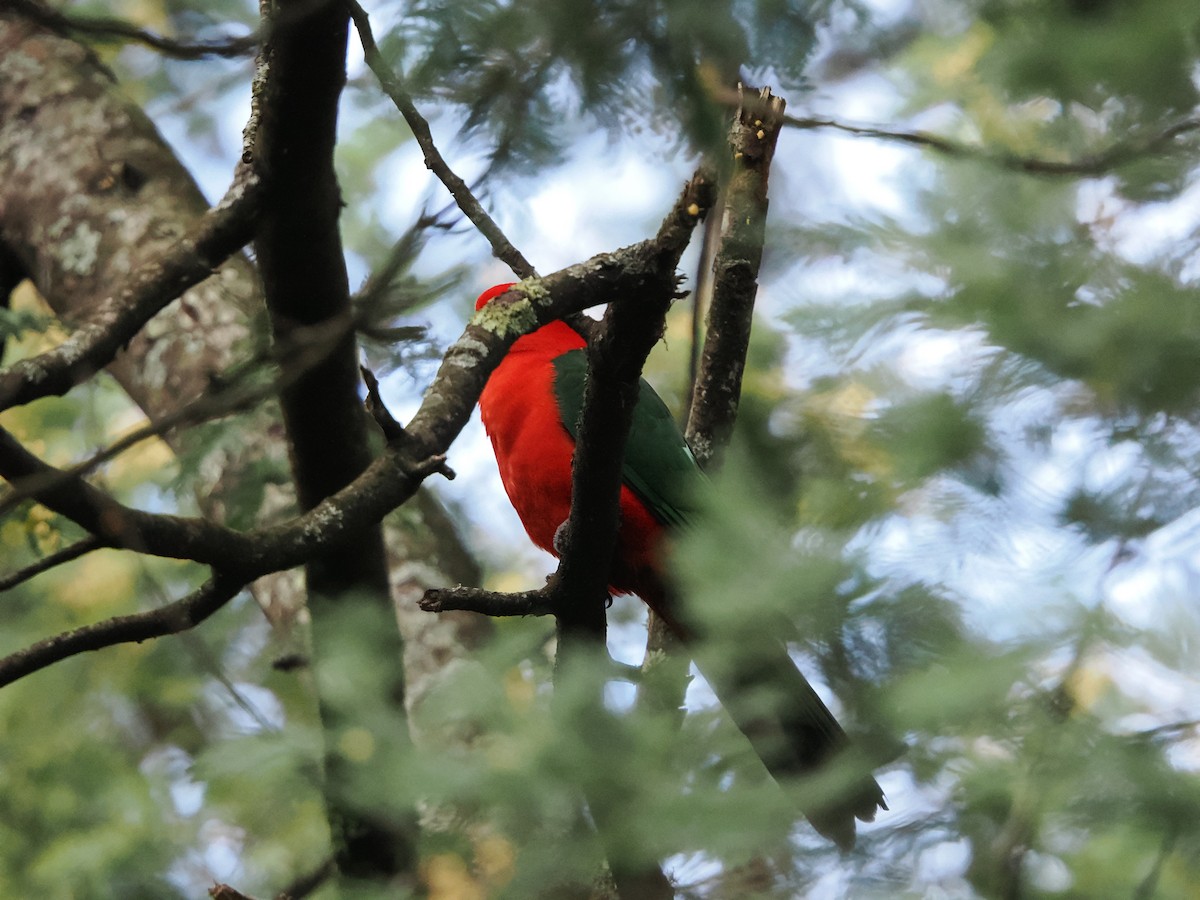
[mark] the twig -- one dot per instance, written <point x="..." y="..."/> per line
<point x="45" y="564"/>
<point x="173" y="618"/>
<point x="539" y="602"/>
<point x="108" y="27"/>
<point x="390" y="81"/>
<point x="392" y="430"/>
<point x="1090" y="165"/>
<point x="223" y="230"/>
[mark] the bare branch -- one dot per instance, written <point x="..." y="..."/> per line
<point x="390" y="81"/>
<point x="224" y="230"/>
<point x="223" y="400"/>
<point x="45" y="564"/>
<point x="119" y="29"/>
<point x="392" y="430"/>
<point x="1090" y="165"/>
<point x="615" y="362"/>
<point x="718" y="384"/>
<point x="173" y="618"/>
<point x="489" y="603"/>
<point x="113" y="523"/>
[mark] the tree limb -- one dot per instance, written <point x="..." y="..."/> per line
<point x="58" y="558"/>
<point x="223" y="230"/>
<point x="735" y="279"/>
<point x="113" y="28"/>
<point x="390" y="81"/>
<point x="185" y="613"/>
<point x="1092" y="164"/>
<point x="305" y="285"/>
<point x="538" y="602"/>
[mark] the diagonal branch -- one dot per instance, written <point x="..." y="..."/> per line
<point x="223" y="230"/>
<point x="390" y="81"/>
<point x="1092" y="164"/>
<point x="173" y="618"/>
<point x="615" y="362"/>
<point x="109" y="27"/>
<point x="58" y="558"/>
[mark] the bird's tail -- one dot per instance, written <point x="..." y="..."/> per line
<point x="795" y="735"/>
<point x="790" y="728"/>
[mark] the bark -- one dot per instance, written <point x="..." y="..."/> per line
<point x="718" y="384"/>
<point x="306" y="287"/>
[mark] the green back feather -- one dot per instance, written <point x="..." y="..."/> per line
<point x="659" y="468"/>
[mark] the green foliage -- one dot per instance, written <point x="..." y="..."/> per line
<point x="1142" y="52"/>
<point x="639" y="65"/>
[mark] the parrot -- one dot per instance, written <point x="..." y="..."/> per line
<point x="530" y="409"/>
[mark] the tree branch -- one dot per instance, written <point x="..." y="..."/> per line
<point x="223" y="230"/>
<point x="390" y="81"/>
<point x="305" y="285"/>
<point x="1092" y="164"/>
<point x="222" y="400"/>
<point x="58" y="558"/>
<point x="735" y="278"/>
<point x="615" y="361"/>
<point x="173" y="618"/>
<point x="716" y="369"/>
<point x="489" y="603"/>
<point x="113" y="523"/>
<point x="108" y="27"/>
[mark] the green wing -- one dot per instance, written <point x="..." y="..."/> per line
<point x="659" y="467"/>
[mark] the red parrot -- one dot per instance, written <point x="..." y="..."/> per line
<point x="530" y="407"/>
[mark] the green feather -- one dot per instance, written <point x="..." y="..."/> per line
<point x="659" y="468"/>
